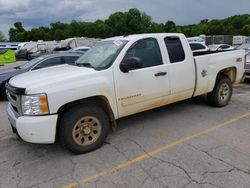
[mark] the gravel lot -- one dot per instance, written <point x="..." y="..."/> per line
<point x="187" y="144"/>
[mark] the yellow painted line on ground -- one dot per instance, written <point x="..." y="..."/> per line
<point x="155" y="152"/>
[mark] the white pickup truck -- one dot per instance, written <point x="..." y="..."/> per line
<point x="78" y="104"/>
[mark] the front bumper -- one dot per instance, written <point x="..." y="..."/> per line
<point x="34" y="129"/>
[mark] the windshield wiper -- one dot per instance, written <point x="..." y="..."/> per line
<point x="18" y="67"/>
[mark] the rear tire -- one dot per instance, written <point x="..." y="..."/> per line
<point x="83" y="128"/>
<point x="222" y="92"/>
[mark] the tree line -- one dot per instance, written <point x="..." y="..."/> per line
<point x="130" y="22"/>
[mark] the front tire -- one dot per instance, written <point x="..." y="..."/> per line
<point x="222" y="92"/>
<point x="83" y="128"/>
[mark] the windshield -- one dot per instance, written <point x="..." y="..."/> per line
<point x="31" y="63"/>
<point x="102" y="55"/>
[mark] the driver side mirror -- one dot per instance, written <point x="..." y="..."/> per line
<point x="130" y="63"/>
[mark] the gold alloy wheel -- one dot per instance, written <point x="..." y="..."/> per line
<point x="87" y="130"/>
<point x="224" y="92"/>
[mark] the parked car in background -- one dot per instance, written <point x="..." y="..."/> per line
<point x="38" y="63"/>
<point x="80" y="50"/>
<point x="31" y="50"/>
<point x="72" y="43"/>
<point x="220" y="47"/>
<point x="246" y="47"/>
<point x="198" y="47"/>
<point x="247" y="66"/>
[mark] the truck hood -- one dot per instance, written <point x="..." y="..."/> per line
<point x="49" y="77"/>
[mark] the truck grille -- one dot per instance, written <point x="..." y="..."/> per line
<point x="15" y="102"/>
<point x="14" y="97"/>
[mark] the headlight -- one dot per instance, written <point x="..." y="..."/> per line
<point x="34" y="104"/>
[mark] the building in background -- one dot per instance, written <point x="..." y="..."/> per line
<point x="9" y="45"/>
<point x="239" y="40"/>
<point x="219" y="39"/>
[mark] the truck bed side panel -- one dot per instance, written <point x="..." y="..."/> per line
<point x="208" y="67"/>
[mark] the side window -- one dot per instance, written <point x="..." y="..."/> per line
<point x="200" y="46"/>
<point x="224" y="47"/>
<point x="197" y="46"/>
<point x="70" y="59"/>
<point x="175" y="49"/>
<point x="148" y="51"/>
<point x="193" y="46"/>
<point x="48" y="63"/>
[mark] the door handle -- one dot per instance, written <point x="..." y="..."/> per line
<point x="161" y="74"/>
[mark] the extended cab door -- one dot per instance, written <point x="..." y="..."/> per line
<point x="181" y="67"/>
<point x="146" y="87"/>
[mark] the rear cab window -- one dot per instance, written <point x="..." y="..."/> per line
<point x="175" y="49"/>
<point x="224" y="47"/>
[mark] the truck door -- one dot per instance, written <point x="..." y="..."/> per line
<point x="146" y="87"/>
<point x="181" y="67"/>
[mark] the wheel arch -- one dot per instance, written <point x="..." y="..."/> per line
<point x="230" y="72"/>
<point x="99" y="100"/>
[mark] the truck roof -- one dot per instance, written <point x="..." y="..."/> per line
<point x="144" y="35"/>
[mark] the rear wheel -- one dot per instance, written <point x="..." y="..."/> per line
<point x="222" y="92"/>
<point x="84" y="128"/>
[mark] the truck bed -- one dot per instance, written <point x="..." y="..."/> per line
<point x="210" y="52"/>
<point x="208" y="65"/>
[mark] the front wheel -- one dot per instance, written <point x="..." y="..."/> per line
<point x="222" y="92"/>
<point x="83" y="128"/>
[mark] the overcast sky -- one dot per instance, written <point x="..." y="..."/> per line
<point x="34" y="13"/>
